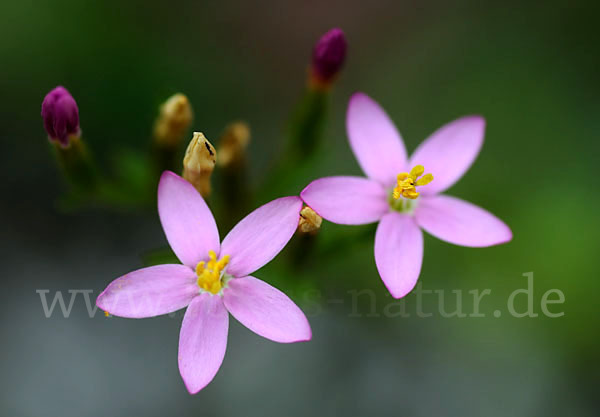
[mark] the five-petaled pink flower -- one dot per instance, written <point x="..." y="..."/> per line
<point x="214" y="279"/>
<point x="395" y="196"/>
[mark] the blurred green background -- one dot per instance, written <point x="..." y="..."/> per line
<point x="531" y="68"/>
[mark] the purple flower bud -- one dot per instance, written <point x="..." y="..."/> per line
<point x="329" y="54"/>
<point x="61" y="115"/>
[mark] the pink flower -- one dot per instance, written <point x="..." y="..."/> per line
<point x="213" y="280"/>
<point x="398" y="199"/>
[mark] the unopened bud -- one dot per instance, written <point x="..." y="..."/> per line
<point x="310" y="221"/>
<point x="173" y="121"/>
<point x="199" y="162"/>
<point x="61" y="116"/>
<point x="328" y="56"/>
<point x="233" y="143"/>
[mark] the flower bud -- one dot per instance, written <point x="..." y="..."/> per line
<point x="310" y="221"/>
<point x="173" y="121"/>
<point x="199" y="162"/>
<point x="232" y="145"/>
<point x="328" y="57"/>
<point x="61" y="116"/>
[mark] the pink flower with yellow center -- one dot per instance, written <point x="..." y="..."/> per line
<point x="400" y="197"/>
<point x="213" y="280"/>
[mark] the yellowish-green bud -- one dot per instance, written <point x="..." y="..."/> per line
<point x="233" y="144"/>
<point x="173" y="121"/>
<point x="310" y="221"/>
<point x="199" y="162"/>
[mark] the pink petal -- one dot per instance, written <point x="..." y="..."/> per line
<point x="261" y="235"/>
<point x="449" y="152"/>
<point x="398" y="253"/>
<point x="374" y="139"/>
<point x="347" y="200"/>
<point x="149" y="292"/>
<point x="266" y="311"/>
<point x="202" y="341"/>
<point x="459" y="222"/>
<point x="186" y="219"/>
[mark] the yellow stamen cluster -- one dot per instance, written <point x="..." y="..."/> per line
<point x="209" y="273"/>
<point x="409" y="181"/>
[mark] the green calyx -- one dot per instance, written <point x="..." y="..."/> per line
<point x="402" y="205"/>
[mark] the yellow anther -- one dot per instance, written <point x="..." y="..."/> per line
<point x="417" y="171"/>
<point x="210" y="274"/>
<point x="215" y="287"/>
<point x="222" y="263"/>
<point x="407" y="183"/>
<point x="412" y="194"/>
<point x="200" y="267"/>
<point x="424" y="180"/>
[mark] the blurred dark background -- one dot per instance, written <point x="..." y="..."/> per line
<point x="531" y="68"/>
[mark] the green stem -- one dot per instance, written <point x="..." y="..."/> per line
<point x="235" y="193"/>
<point x="77" y="166"/>
<point x="166" y="157"/>
<point x="305" y="135"/>
<point x="308" y="122"/>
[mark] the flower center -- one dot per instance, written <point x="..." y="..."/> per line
<point x="409" y="181"/>
<point x="211" y="274"/>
